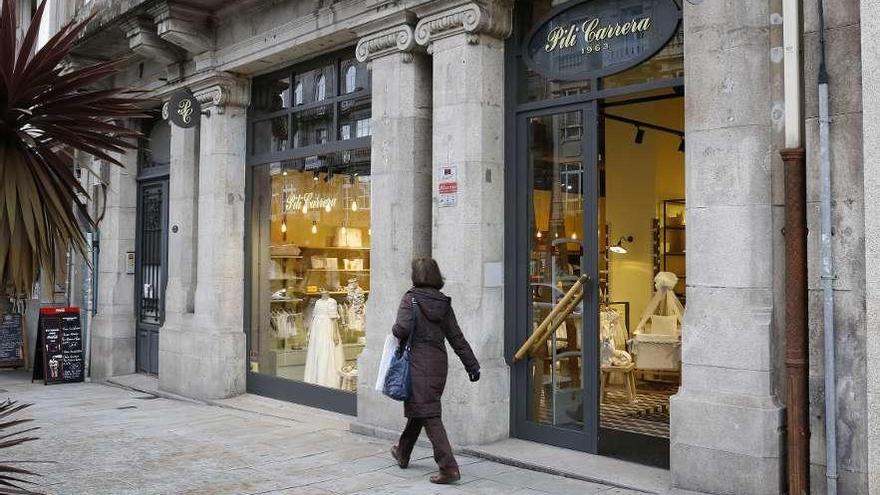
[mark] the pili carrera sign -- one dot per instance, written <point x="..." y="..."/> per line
<point x="184" y="110"/>
<point x="584" y="39"/>
<point x="309" y="200"/>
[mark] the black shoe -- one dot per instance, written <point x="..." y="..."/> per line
<point x="442" y="478"/>
<point x="396" y="455"/>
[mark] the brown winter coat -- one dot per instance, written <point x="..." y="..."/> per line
<point x="428" y="367"/>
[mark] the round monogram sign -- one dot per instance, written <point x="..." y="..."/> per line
<point x="184" y="109"/>
<point x="594" y="38"/>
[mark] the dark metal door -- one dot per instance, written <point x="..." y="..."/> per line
<point x="556" y="385"/>
<point x="151" y="271"/>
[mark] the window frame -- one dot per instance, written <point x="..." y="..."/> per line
<point x="341" y="60"/>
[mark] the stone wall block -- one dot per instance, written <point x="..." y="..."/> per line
<point x="723" y="380"/>
<point x="847" y="161"/>
<point x="719" y="472"/>
<point x="847" y="245"/>
<point x="725" y="426"/>
<point x="843" y="55"/>
<point x="735" y="165"/>
<point x="738" y="235"/>
<point x="839" y="13"/>
<point x="726" y="85"/>
<point x="733" y="320"/>
<point x="851" y="351"/>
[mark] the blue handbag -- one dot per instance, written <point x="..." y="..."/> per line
<point x="398" y="384"/>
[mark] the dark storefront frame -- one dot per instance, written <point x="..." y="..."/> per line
<point x="640" y="448"/>
<point x="263" y="384"/>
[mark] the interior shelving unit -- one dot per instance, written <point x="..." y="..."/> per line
<point x="672" y="246"/>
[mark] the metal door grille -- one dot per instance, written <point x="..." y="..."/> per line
<point x="152" y="275"/>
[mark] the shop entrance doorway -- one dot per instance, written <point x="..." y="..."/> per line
<point x="596" y="242"/>
<point x="601" y="265"/>
<point x="151" y="244"/>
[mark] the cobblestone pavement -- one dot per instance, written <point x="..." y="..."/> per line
<point x="106" y="440"/>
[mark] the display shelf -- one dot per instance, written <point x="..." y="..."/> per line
<point x="288" y="300"/>
<point x="336" y="270"/>
<point x="286" y="256"/>
<point x="333" y="248"/>
<point x="287" y="278"/>
<point x="674" y="230"/>
<point x="331" y="293"/>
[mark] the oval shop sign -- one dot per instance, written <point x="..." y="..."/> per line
<point x="594" y="38"/>
<point x="184" y="110"/>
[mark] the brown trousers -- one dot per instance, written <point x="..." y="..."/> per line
<point x="436" y="434"/>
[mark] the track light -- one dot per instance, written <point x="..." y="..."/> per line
<point x="681" y="145"/>
<point x="618" y="248"/>
<point x="640" y="135"/>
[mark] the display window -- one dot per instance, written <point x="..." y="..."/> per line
<point x="309" y="245"/>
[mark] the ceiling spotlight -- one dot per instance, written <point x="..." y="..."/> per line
<point x="618" y="248"/>
<point x="640" y="135"/>
<point x="681" y="145"/>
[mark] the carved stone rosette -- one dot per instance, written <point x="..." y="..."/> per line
<point x="397" y="39"/>
<point x="492" y="17"/>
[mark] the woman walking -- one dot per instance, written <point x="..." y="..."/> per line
<point x="429" y="312"/>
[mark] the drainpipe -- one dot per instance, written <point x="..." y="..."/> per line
<point x="796" y="334"/>
<point x="827" y="269"/>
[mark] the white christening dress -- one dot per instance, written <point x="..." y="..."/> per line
<point x="324" y="359"/>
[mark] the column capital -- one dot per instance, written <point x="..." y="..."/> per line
<point x="226" y="90"/>
<point x="397" y="39"/>
<point x="219" y="91"/>
<point x="489" y="17"/>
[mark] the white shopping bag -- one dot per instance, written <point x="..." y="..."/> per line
<point x="391" y="344"/>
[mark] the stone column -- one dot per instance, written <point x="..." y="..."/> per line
<point x="206" y="358"/>
<point x="870" y="31"/>
<point x="401" y="191"/>
<point x="113" y="328"/>
<point x="468" y="237"/>
<point x="182" y="215"/>
<point x="726" y="421"/>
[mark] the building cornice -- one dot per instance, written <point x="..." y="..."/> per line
<point x="492" y="18"/>
<point x="182" y="26"/>
<point x="143" y="40"/>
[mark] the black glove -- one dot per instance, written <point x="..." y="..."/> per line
<point x="474" y="375"/>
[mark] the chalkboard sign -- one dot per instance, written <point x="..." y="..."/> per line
<point x="59" y="356"/>
<point x="11" y="341"/>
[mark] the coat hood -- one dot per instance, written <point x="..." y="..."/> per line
<point x="433" y="303"/>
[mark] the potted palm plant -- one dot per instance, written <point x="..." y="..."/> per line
<point x="46" y="114"/>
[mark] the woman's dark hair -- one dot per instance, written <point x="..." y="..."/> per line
<point x="426" y="273"/>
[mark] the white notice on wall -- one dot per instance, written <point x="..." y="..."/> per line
<point x="447" y="186"/>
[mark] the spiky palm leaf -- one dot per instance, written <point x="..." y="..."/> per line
<point x="45" y="114"/>
<point x="12" y="478"/>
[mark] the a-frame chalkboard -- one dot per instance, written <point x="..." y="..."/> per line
<point x="12" y="338"/>
<point x="59" y="353"/>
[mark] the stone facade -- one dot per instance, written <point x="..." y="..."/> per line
<point x="438" y="100"/>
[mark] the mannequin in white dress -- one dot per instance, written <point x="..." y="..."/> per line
<point x="325" y="355"/>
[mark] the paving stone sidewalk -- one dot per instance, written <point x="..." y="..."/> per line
<point x="111" y="441"/>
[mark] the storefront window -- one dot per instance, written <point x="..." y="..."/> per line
<point x="313" y="268"/>
<point x="310" y="237"/>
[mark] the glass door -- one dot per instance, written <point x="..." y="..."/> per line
<point x="556" y="370"/>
